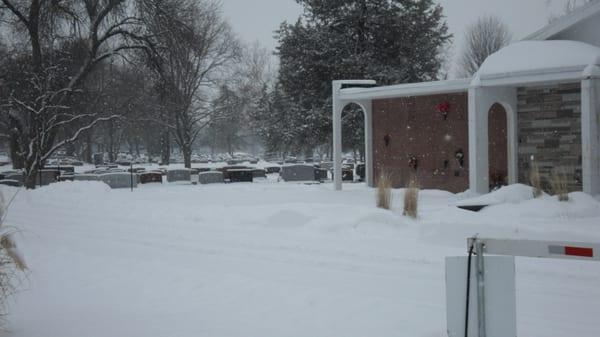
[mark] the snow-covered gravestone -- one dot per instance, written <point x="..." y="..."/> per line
<point x="10" y="182"/>
<point x="150" y="177"/>
<point x="47" y="177"/>
<point x="259" y="173"/>
<point x="118" y="180"/>
<point x="179" y="175"/>
<point x="299" y="173"/>
<point x="211" y="177"/>
<point x="273" y="169"/>
<point x="85" y="177"/>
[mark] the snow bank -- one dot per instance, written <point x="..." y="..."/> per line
<point x="528" y="56"/>
<point x="507" y="194"/>
<point x="281" y="260"/>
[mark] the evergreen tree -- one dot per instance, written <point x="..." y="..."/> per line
<point x="390" y="41"/>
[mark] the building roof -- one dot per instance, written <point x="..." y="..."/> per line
<point x="537" y="61"/>
<point x="404" y="90"/>
<point x="566" y="22"/>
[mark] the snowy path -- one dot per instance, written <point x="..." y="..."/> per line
<point x="274" y="260"/>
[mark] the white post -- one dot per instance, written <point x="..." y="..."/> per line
<point x="508" y="98"/>
<point x="590" y="120"/>
<point x="478" y="141"/>
<point x="368" y="110"/>
<point x="337" y="136"/>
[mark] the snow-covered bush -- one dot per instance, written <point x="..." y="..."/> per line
<point x="11" y="261"/>
<point x="411" y="198"/>
<point x="384" y="190"/>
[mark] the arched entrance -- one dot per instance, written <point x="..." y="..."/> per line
<point x="498" y="146"/>
<point x="353" y="143"/>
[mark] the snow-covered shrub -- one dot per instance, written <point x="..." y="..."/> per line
<point x="559" y="185"/>
<point x="384" y="190"/>
<point x="535" y="180"/>
<point x="411" y="198"/>
<point x="11" y="261"/>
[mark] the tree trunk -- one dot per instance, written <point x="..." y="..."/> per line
<point x="187" y="156"/>
<point x="165" y="148"/>
<point x="31" y="172"/>
<point x="87" y="152"/>
<point x="17" y="161"/>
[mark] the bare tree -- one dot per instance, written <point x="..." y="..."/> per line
<point x="483" y="38"/>
<point x="39" y="106"/>
<point x="195" y="45"/>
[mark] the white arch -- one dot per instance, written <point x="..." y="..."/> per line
<point x="481" y="101"/>
<point x="366" y="106"/>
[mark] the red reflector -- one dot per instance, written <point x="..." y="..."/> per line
<point x="578" y="251"/>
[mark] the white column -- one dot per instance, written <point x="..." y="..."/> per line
<point x="590" y="120"/>
<point x="478" y="141"/>
<point x="337" y="136"/>
<point x="508" y="98"/>
<point x="368" y="110"/>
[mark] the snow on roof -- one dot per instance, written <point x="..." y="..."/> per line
<point x="408" y="89"/>
<point x="566" y="22"/>
<point x="529" y="58"/>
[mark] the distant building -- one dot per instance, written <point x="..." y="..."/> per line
<point x="536" y="99"/>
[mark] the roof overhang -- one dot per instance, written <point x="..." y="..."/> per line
<point x="405" y="90"/>
<point x="525" y="78"/>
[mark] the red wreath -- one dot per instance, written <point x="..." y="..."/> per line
<point x="443" y="108"/>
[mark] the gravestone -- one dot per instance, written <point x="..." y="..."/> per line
<point x="226" y="170"/>
<point x="273" y="169"/>
<point x="179" y="175"/>
<point x="118" y="180"/>
<point x="321" y="174"/>
<point x="85" y="177"/>
<point x="347" y="174"/>
<point x="211" y="177"/>
<point x="98" y="159"/>
<point x="11" y="182"/>
<point x="299" y="173"/>
<point x="327" y="165"/>
<point x="18" y="176"/>
<point x="360" y="172"/>
<point x="259" y="173"/>
<point x="66" y="177"/>
<point x="136" y="170"/>
<point x="47" y="176"/>
<point x="150" y="177"/>
<point x="61" y="168"/>
<point x="240" y="175"/>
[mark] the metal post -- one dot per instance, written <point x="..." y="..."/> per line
<point x="479" y="247"/>
<point x="131" y="175"/>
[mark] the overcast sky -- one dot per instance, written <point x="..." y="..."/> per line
<point x="257" y="19"/>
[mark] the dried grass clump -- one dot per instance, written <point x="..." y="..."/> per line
<point x="559" y="184"/>
<point x="384" y="190"/>
<point x="411" y="199"/>
<point x="11" y="261"/>
<point x="535" y="180"/>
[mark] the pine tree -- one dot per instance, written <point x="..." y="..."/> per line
<point x="390" y="41"/>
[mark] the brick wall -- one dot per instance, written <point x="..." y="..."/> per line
<point x="416" y="129"/>
<point x="549" y="120"/>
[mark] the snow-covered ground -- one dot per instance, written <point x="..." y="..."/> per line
<point x="279" y="259"/>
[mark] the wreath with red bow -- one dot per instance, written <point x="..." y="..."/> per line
<point x="443" y="108"/>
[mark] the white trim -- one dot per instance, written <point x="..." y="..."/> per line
<point x="521" y="79"/>
<point x="405" y="90"/>
<point x="565" y="22"/>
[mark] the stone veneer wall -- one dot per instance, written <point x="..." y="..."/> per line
<point x="549" y="130"/>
